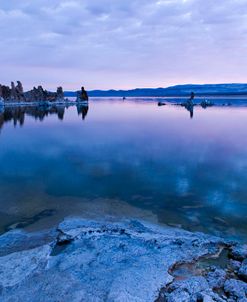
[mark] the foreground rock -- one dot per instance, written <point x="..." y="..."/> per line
<point x="236" y="290"/>
<point x="243" y="270"/>
<point x="89" y="260"/>
<point x="239" y="252"/>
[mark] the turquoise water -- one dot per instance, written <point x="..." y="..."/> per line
<point x="121" y="157"/>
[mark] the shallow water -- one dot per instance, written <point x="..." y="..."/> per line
<point x="129" y="158"/>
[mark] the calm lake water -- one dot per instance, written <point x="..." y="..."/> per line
<point x="129" y="158"/>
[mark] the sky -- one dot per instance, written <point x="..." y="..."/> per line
<point x="122" y="44"/>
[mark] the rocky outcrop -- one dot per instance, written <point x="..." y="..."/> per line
<point x="36" y="94"/>
<point x="191" y="290"/>
<point x="60" y="94"/>
<point x="12" y="93"/>
<point x="216" y="278"/>
<point x="236" y="290"/>
<point x="81" y="96"/>
<point x="15" y="93"/>
<point x="206" y="103"/>
<point x="5" y="92"/>
<point x="243" y="270"/>
<point x="239" y="252"/>
<point x="39" y="95"/>
<point x="224" y="282"/>
<point x="96" y="260"/>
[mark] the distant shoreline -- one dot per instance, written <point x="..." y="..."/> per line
<point x="205" y="90"/>
<point x="118" y="94"/>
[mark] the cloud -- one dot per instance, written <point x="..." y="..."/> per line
<point x="123" y="44"/>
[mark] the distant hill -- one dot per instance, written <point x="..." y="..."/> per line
<point x="178" y="90"/>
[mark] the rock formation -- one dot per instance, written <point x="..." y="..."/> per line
<point x="20" y="91"/>
<point x="206" y="103"/>
<point x="42" y="96"/>
<point x="1" y="96"/>
<point x="82" y="95"/>
<point x="19" y="87"/>
<point x="99" y="260"/>
<point x="6" y="92"/>
<point x="16" y="93"/>
<point x="13" y="93"/>
<point x="60" y="94"/>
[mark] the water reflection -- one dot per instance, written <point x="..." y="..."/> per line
<point x="189" y="107"/>
<point x="191" y="110"/>
<point x="133" y="154"/>
<point x="82" y="110"/>
<point x="17" y="113"/>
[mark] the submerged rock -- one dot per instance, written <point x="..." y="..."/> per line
<point x="17" y="241"/>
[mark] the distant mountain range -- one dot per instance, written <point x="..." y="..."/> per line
<point x="178" y="90"/>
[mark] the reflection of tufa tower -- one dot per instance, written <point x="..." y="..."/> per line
<point x="82" y="110"/>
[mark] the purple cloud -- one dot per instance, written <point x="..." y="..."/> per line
<point x="122" y="44"/>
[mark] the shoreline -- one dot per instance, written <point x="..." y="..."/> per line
<point x="199" y="102"/>
<point x="125" y="260"/>
<point x="45" y="104"/>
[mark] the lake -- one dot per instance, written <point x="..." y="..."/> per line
<point x="125" y="158"/>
